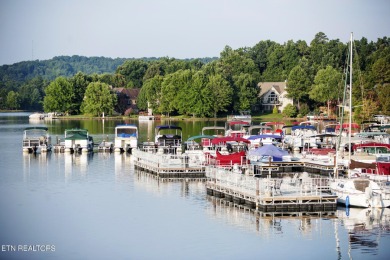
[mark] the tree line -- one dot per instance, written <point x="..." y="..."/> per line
<point x="210" y="86"/>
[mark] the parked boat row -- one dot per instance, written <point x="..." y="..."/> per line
<point x="76" y="140"/>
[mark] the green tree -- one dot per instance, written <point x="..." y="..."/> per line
<point x="151" y="93"/>
<point x="327" y="86"/>
<point x="59" y="96"/>
<point x="79" y="82"/>
<point x="290" y="111"/>
<point x="98" y="100"/>
<point x="304" y="109"/>
<point x="275" y="110"/>
<point x="31" y="93"/>
<point x="275" y="70"/>
<point x="292" y="55"/>
<point x="133" y="71"/>
<point x="169" y="90"/>
<point x="240" y="71"/>
<point x="383" y="93"/>
<point x="220" y="93"/>
<point x="154" y="69"/>
<point x="258" y="53"/>
<point x="318" y="49"/>
<point x="12" y="100"/>
<point x="298" y="84"/>
<point x="184" y="99"/>
<point x="366" y="111"/>
<point x="248" y="92"/>
<point x="381" y="70"/>
<point x="142" y="101"/>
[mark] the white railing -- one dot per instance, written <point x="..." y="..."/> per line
<point x="163" y="160"/>
<point x="265" y="186"/>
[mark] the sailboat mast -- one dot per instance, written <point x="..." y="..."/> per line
<point x="350" y="101"/>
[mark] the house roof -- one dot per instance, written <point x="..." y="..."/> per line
<point x="267" y="86"/>
<point x="131" y="93"/>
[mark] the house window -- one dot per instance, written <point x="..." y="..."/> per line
<point x="272" y="98"/>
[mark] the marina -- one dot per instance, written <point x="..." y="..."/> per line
<point x="112" y="197"/>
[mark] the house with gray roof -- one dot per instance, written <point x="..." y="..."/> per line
<point x="273" y="94"/>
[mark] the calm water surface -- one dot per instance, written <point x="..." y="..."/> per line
<point x="98" y="207"/>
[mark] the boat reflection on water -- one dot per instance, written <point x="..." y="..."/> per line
<point x="365" y="227"/>
<point x="81" y="161"/>
<point x="193" y="187"/>
<point x="33" y="160"/>
<point x="266" y="224"/>
<point x="122" y="169"/>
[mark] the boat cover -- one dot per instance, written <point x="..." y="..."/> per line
<point x="269" y="150"/>
<point x="229" y="159"/>
<point x="225" y="139"/>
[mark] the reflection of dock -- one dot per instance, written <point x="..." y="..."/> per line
<point x="167" y="165"/>
<point x="264" y="223"/>
<point x="267" y="194"/>
<point x="157" y="185"/>
<point x="151" y="176"/>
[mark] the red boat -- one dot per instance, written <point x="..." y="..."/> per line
<point x="383" y="168"/>
<point x="355" y="128"/>
<point x="229" y="159"/>
<point x="372" y="148"/>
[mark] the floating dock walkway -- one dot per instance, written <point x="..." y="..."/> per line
<point x="167" y="165"/>
<point x="268" y="194"/>
<point x="304" y="165"/>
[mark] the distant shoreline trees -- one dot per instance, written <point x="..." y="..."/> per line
<point x="209" y="86"/>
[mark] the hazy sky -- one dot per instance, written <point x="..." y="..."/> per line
<point x="42" y="29"/>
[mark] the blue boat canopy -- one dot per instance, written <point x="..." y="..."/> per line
<point x="295" y="127"/>
<point x="269" y="150"/>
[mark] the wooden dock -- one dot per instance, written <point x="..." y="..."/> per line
<point x="269" y="194"/>
<point x="167" y="165"/>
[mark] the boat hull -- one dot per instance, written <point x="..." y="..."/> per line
<point x="358" y="192"/>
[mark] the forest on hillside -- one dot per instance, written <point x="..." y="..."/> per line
<point x="315" y="75"/>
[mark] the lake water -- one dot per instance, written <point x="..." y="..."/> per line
<point x="61" y="206"/>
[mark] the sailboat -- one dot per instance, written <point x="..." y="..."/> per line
<point x="356" y="192"/>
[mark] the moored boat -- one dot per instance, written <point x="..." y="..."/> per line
<point x="360" y="192"/>
<point x="378" y="149"/>
<point x="243" y="116"/>
<point x="126" y="138"/>
<point x="237" y="128"/>
<point x="168" y="139"/>
<point x="78" y="140"/>
<point x="37" y="116"/>
<point x="36" y="139"/>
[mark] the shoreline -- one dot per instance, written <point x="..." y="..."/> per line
<point x="265" y="117"/>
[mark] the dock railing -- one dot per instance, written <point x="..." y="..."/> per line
<point x="264" y="187"/>
<point x="164" y="160"/>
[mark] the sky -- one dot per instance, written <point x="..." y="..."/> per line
<point x="43" y="29"/>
